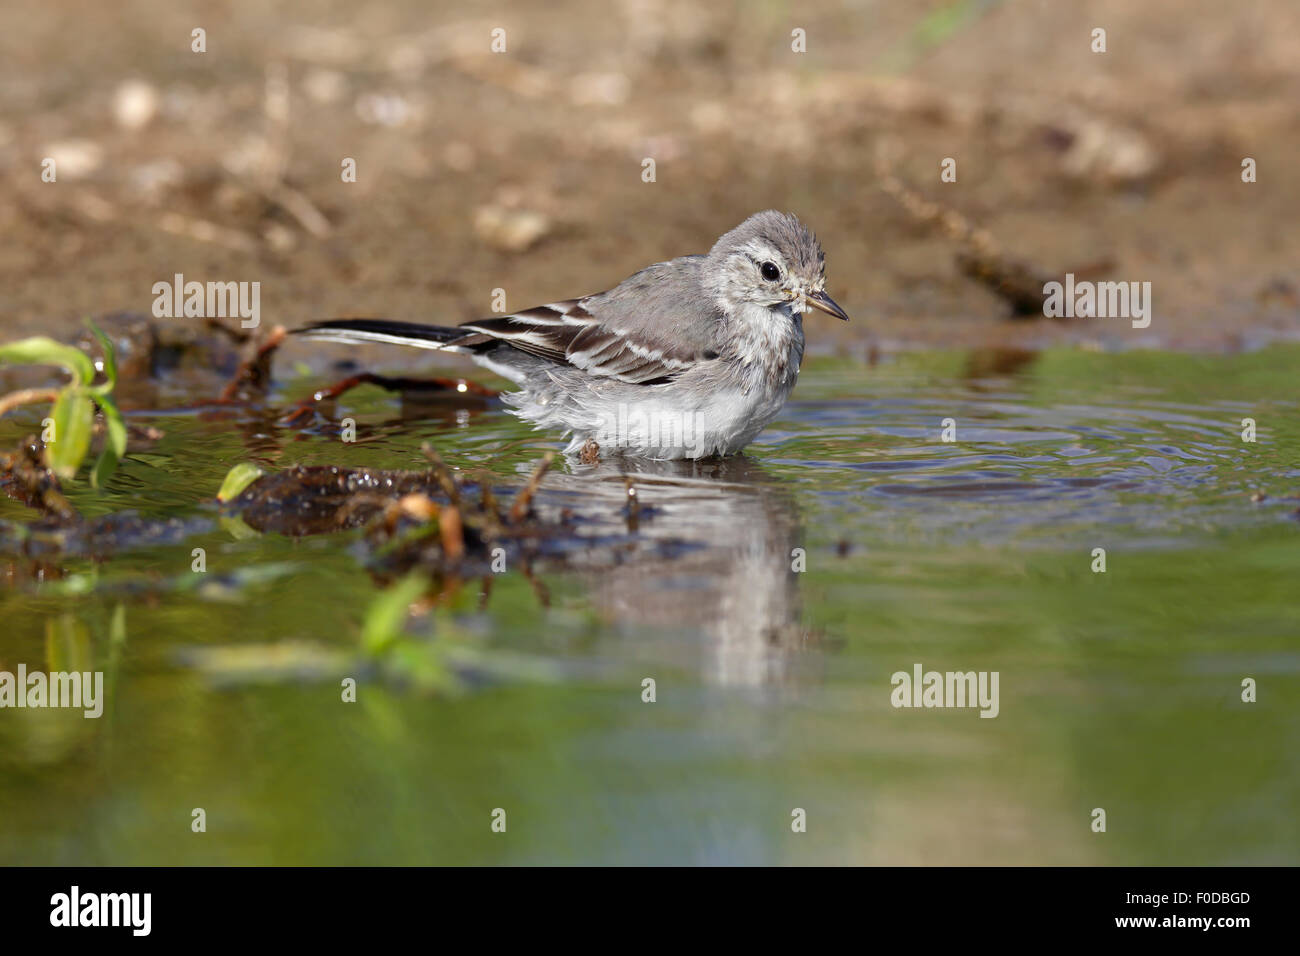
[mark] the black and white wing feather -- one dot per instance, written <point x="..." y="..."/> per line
<point x="645" y="331"/>
<point x="566" y="332"/>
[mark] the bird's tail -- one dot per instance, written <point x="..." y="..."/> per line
<point x="357" y="331"/>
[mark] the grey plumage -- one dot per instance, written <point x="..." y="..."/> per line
<point x="685" y="359"/>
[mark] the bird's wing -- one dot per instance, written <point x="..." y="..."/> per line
<point x="639" y="332"/>
<point x="566" y="332"/>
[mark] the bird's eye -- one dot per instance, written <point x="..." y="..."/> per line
<point x="770" y="272"/>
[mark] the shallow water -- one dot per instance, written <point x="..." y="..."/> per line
<point x="1118" y="690"/>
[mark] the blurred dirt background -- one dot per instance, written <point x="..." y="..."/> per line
<point x="523" y="170"/>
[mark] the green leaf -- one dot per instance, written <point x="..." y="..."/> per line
<point x="110" y="360"/>
<point x="387" y="613"/>
<point x="237" y="479"/>
<point x="117" y="627"/>
<point x="116" y="426"/>
<point x="45" y="351"/>
<point x="74" y="417"/>
<point x="422" y="665"/>
<point x="67" y="644"/>
<point x="237" y="529"/>
<point x="105" y="465"/>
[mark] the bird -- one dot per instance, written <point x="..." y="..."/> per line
<point x="686" y="359"/>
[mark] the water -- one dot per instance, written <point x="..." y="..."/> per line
<point x="1118" y="690"/>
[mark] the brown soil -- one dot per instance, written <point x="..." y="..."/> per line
<point x="1119" y="165"/>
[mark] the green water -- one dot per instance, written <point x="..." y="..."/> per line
<point x="1119" y="690"/>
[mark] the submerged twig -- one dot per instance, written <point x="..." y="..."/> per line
<point x="633" y="505"/>
<point x="446" y="478"/>
<point x="491" y="510"/>
<point x="452" y="531"/>
<point x="27" y="396"/>
<point x="540" y="591"/>
<point x="520" y="507"/>
<point x="255" y="374"/>
<point x="389" y="383"/>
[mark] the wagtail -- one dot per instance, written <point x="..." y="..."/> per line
<point x="688" y="358"/>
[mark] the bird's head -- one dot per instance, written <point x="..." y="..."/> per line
<point x="770" y="260"/>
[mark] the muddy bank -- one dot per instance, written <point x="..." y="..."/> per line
<point x="523" y="170"/>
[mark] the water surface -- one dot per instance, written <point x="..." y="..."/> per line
<point x="1118" y="690"/>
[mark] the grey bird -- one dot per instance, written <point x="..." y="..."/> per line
<point x="689" y="358"/>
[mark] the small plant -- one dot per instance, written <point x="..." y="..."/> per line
<point x="237" y="479"/>
<point x="71" y="420"/>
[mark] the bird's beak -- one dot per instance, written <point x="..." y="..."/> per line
<point x="820" y="300"/>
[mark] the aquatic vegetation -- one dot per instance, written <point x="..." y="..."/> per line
<point x="68" y="431"/>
